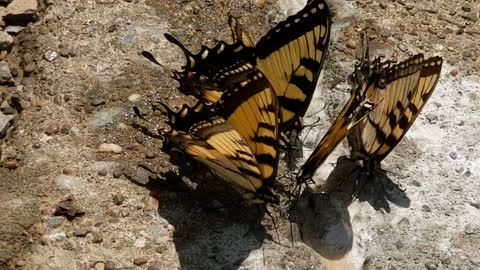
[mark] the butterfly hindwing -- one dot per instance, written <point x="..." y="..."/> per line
<point x="358" y="106"/>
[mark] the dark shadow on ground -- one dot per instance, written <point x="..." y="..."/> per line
<point x="325" y="225"/>
<point x="213" y="230"/>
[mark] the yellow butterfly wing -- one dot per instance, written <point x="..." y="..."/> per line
<point x="291" y="56"/>
<point x="237" y="138"/>
<point x="405" y="91"/>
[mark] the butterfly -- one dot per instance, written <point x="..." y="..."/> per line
<point x="401" y="91"/>
<point x="236" y="138"/>
<point x="290" y="55"/>
<point x="393" y="95"/>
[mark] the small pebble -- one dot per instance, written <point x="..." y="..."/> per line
<point x="402" y="47"/>
<point x="78" y="107"/>
<point x="404" y="223"/>
<point x="100" y="266"/>
<point x="471" y="16"/>
<point x="5" y="73"/>
<point x="124" y="213"/>
<point x="134" y="97"/>
<point x="20" y="263"/>
<point x="81" y="233"/>
<point x="260" y="3"/>
<point x="43" y="267"/>
<point x="454" y="72"/>
<point x="102" y="172"/>
<point x="110" y="148"/>
<point x="469" y="229"/>
<point x="55" y="221"/>
<point x="431" y="265"/>
<point x="97" y="238"/>
<point x="154" y="266"/>
<point x="399" y="244"/>
<point x="50" y="55"/>
<point x="453" y="155"/>
<point x="351" y="44"/>
<point x="65" y="129"/>
<point x="151" y="153"/>
<point x="466" y="8"/>
<point x="151" y="203"/>
<point x="14" y="29"/>
<point x="59" y="236"/>
<point x="109" y="265"/>
<point x="138" y="174"/>
<point x="29" y="67"/>
<point x="64" y="52"/>
<point x="97" y="101"/>
<point x="416" y="183"/>
<point x="118" y="199"/>
<point x="52" y="129"/>
<point x="5" y="41"/>
<point x="140" y="261"/>
<point x="58" y="100"/>
<point x="446" y="260"/>
<point x="475" y="204"/>
<point x="466" y="54"/>
<point x="117" y="171"/>
<point x="426" y="208"/>
<point x="11" y="165"/>
<point x="160" y="249"/>
<point x="457" y="188"/>
<point x="113" y="212"/>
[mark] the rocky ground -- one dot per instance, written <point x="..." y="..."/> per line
<point x="76" y="184"/>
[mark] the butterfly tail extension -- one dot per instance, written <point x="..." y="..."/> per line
<point x="239" y="35"/>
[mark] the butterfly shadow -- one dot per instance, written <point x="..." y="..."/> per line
<point x="212" y="229"/>
<point x="326" y="223"/>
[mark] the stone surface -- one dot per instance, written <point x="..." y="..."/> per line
<point x="5" y="41"/>
<point x="5" y="74"/>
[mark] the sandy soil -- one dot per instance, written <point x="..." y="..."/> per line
<point x="122" y="216"/>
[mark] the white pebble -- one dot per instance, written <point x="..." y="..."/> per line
<point x="134" y="97"/>
<point x="58" y="236"/>
<point x="110" y="147"/>
<point x="50" y="55"/>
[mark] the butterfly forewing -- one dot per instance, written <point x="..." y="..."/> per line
<point x="429" y="73"/>
<point x="407" y="87"/>
<point x="291" y="56"/>
<point x="356" y="108"/>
